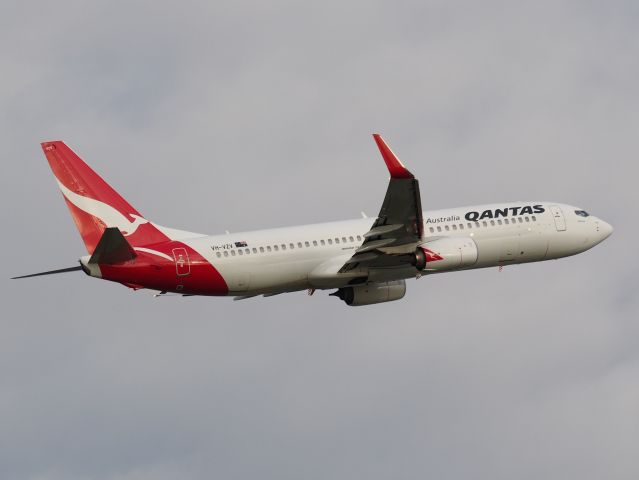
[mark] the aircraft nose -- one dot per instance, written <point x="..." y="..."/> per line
<point x="604" y="229"/>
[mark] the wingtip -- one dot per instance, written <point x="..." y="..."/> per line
<point x="394" y="165"/>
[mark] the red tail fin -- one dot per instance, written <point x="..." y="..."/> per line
<point x="94" y="205"/>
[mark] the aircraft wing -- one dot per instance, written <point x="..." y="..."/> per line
<point x="399" y="226"/>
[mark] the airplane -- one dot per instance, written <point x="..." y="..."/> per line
<point x="366" y="261"/>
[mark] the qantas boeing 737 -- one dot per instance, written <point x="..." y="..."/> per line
<point x="366" y="260"/>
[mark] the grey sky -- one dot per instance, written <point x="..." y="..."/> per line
<point x="239" y="115"/>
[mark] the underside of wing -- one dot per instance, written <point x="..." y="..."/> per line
<point x="393" y="238"/>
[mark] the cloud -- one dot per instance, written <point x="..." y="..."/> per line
<point x="242" y="115"/>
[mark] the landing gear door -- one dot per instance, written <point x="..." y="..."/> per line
<point x="182" y="263"/>
<point x="558" y="215"/>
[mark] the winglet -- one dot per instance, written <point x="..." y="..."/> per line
<point x="395" y="167"/>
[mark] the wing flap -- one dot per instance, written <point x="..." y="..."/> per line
<point x="382" y="230"/>
<point x="362" y="257"/>
<point x="375" y="244"/>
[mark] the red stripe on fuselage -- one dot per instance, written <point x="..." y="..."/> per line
<point x="158" y="273"/>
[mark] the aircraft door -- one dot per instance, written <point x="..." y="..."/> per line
<point x="182" y="262"/>
<point x="558" y="215"/>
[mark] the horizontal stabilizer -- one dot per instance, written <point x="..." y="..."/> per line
<point x="112" y="248"/>
<point x="50" y="272"/>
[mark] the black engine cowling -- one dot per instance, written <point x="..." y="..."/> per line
<point x="372" y="293"/>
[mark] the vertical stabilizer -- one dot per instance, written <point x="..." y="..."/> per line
<point x="93" y="204"/>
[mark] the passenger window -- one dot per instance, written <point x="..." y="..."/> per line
<point x="336" y="240"/>
<point x="218" y="254"/>
<point x="439" y="229"/>
<point x="330" y="242"/>
<point x="485" y="223"/>
<point x="527" y="219"/>
<point x="240" y="252"/>
<point x="499" y="222"/>
<point x="351" y="239"/>
<point x="454" y="227"/>
<point x="261" y="249"/>
<point x="470" y="225"/>
<point x="447" y="228"/>
<point x="232" y="253"/>
<point x="226" y="254"/>
<point x="291" y="246"/>
<point x="247" y="251"/>
<point x="275" y="247"/>
<point x="521" y="220"/>
<point x="315" y="243"/>
<point x="432" y="230"/>
<point x="306" y="244"/>
<point x="322" y="242"/>
<point x="492" y="223"/>
<point x="534" y="219"/>
<point x="359" y="238"/>
<point x="343" y="239"/>
<point x="299" y="244"/>
<point x="461" y="226"/>
<point x="283" y="246"/>
<point x="254" y="250"/>
<point x="477" y="224"/>
<point x="268" y="248"/>
<point x="506" y="221"/>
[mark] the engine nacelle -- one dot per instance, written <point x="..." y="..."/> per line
<point x="445" y="254"/>
<point x="372" y="293"/>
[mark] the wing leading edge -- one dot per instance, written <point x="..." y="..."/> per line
<point x="399" y="225"/>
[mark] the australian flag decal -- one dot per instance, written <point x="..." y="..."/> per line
<point x="240" y="244"/>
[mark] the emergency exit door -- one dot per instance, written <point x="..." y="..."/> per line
<point x="558" y="215"/>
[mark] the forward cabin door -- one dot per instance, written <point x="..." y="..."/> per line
<point x="558" y="215"/>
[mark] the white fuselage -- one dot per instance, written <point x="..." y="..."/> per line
<point x="366" y="260"/>
<point x="309" y="256"/>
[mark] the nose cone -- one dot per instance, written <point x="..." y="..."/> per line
<point x="604" y="230"/>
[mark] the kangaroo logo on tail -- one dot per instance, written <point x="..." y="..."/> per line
<point x="110" y="216"/>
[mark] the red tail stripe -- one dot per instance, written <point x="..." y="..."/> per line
<point x="78" y="177"/>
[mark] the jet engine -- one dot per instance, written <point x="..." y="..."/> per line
<point x="445" y="254"/>
<point x="372" y="293"/>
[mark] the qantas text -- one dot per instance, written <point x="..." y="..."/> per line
<point x="504" y="212"/>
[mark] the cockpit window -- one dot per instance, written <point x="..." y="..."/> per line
<point x="582" y="213"/>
